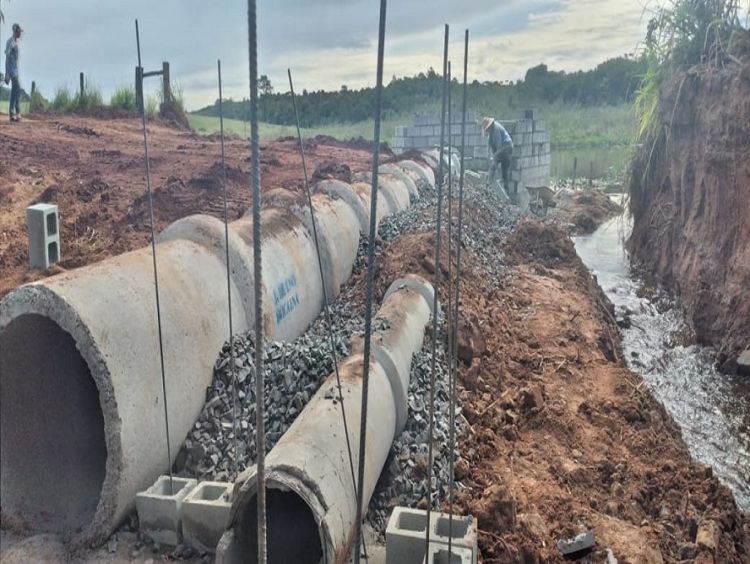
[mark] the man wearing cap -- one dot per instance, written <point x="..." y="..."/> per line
<point x="11" y="73"/>
<point x="501" y="149"/>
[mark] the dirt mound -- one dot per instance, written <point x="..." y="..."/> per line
<point x="540" y="243"/>
<point x="93" y="170"/>
<point x="587" y="209"/>
<point x="331" y="170"/>
<point x="690" y="196"/>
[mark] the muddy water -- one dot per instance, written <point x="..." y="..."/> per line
<point x="712" y="409"/>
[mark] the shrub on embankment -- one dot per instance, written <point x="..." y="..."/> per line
<point x="690" y="181"/>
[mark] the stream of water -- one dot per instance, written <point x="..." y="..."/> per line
<point x="712" y="409"/>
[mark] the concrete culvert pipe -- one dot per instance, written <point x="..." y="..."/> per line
<point x="81" y="418"/>
<point x="395" y="170"/>
<point x="308" y="476"/>
<point x="423" y="171"/>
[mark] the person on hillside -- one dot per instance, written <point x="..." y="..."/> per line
<point x="501" y="149"/>
<point x="11" y="73"/>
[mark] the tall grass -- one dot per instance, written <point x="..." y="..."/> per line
<point x="62" y="101"/>
<point x="123" y="98"/>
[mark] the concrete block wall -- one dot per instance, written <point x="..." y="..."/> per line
<point x="531" y="144"/>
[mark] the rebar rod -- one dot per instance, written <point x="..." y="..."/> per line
<point x="260" y="437"/>
<point x="156" y="272"/>
<point x="326" y="307"/>
<point x="370" y="281"/>
<point x="229" y="284"/>
<point x="435" y="336"/>
<point x="452" y="438"/>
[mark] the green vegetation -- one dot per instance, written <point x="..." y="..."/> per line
<point x="588" y="112"/>
<point x="65" y="102"/>
<point x="681" y="34"/>
<point x="123" y="98"/>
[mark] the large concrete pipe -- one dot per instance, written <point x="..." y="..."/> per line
<point x="390" y="189"/>
<point x="81" y="418"/>
<point x="311" y="503"/>
<point x="423" y="171"/>
<point x="404" y="175"/>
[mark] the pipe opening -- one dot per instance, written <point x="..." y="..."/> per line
<point x="292" y="534"/>
<point x="53" y="453"/>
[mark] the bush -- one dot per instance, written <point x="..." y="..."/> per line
<point x="37" y="102"/>
<point x="152" y="105"/>
<point x="63" y="101"/>
<point x="123" y="98"/>
<point x="90" y="99"/>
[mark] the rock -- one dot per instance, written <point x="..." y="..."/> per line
<point x="530" y="398"/>
<point x="534" y="526"/>
<point x="708" y="535"/>
<point x="577" y="545"/>
<point x="743" y="363"/>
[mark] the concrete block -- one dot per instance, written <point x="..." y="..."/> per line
<point x="405" y="536"/>
<point x="539" y="125"/>
<point x="400" y="131"/>
<point x="205" y="514"/>
<point x="433" y="141"/>
<point x="159" y="509"/>
<point x="413" y="131"/>
<point x="528" y="114"/>
<point x="398" y="142"/>
<point x="540" y="137"/>
<point x="43" y="227"/>
<point x="439" y="554"/>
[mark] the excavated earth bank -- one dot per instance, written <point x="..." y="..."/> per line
<point x="691" y="204"/>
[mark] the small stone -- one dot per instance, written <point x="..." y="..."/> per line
<point x="708" y="535"/>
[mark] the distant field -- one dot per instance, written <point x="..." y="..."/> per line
<point x="342" y="131"/>
<point x="600" y="135"/>
<point x="4" y="107"/>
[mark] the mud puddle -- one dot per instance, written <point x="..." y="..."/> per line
<point x="712" y="409"/>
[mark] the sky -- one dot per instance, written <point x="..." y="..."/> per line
<point x="326" y="43"/>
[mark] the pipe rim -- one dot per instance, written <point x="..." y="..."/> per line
<point x="37" y="299"/>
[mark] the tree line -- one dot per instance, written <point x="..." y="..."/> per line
<point x="612" y="82"/>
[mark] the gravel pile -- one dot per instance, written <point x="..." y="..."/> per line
<point x="404" y="478"/>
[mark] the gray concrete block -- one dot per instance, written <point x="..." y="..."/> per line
<point x="439" y="554"/>
<point x="405" y="536"/>
<point x="540" y="137"/>
<point x="539" y="125"/>
<point x="43" y="228"/>
<point x="400" y="131"/>
<point x="398" y="142"/>
<point x="510" y="126"/>
<point x="159" y="509"/>
<point x="205" y="514"/>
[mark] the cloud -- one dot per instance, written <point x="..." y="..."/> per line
<point x="327" y="43"/>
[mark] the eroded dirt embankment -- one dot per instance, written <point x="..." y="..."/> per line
<point x="691" y="204"/>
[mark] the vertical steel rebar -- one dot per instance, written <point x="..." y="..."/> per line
<point x="452" y="432"/>
<point x="260" y="438"/>
<point x="370" y="282"/>
<point x="156" y="272"/>
<point x="326" y="308"/>
<point x="229" y="284"/>
<point x="435" y="336"/>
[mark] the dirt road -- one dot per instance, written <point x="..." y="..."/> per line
<point x="93" y="169"/>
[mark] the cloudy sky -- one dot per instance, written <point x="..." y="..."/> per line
<point x="326" y="43"/>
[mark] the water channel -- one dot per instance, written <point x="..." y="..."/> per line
<point x="712" y="409"/>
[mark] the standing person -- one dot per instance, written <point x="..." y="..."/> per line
<point x="11" y="73"/>
<point x="501" y="149"/>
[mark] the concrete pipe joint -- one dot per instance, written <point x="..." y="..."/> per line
<point x="311" y="506"/>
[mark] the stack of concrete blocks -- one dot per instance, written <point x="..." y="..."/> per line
<point x="192" y="513"/>
<point x="425" y="133"/>
<point x="43" y="225"/>
<point x="405" y="538"/>
<point x="531" y="161"/>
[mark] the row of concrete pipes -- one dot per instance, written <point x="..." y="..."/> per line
<point x="82" y="416"/>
